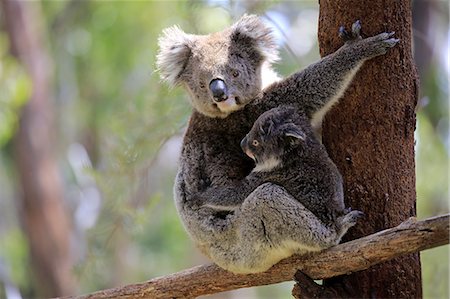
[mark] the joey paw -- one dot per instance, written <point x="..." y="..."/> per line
<point x="349" y="219"/>
<point x="354" y="216"/>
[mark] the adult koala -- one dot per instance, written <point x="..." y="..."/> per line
<point x="225" y="74"/>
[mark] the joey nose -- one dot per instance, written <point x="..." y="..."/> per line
<point x="218" y="90"/>
<point x="243" y="143"/>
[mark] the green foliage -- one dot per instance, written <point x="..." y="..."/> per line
<point x="431" y="170"/>
<point x="15" y="90"/>
<point x="14" y="250"/>
<point x="108" y="97"/>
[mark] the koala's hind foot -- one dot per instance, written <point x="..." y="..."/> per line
<point x="348" y="220"/>
<point x="284" y="219"/>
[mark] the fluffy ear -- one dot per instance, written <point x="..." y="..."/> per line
<point x="252" y="27"/>
<point x="293" y="133"/>
<point x="174" y="52"/>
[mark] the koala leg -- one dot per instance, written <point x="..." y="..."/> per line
<point x="269" y="226"/>
<point x="271" y="215"/>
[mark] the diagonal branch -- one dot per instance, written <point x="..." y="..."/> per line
<point x="410" y="236"/>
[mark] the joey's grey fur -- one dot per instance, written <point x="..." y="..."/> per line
<point x="269" y="224"/>
<point x="287" y="153"/>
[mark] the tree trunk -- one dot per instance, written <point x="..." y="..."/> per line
<point x="42" y="208"/>
<point x="370" y="136"/>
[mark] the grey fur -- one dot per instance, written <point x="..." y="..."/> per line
<point x="270" y="224"/>
<point x="302" y="167"/>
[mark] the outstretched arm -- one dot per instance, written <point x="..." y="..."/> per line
<point x="316" y="88"/>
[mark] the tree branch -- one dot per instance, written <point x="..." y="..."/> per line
<point x="410" y="236"/>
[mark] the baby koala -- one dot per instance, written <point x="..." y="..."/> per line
<point x="286" y="152"/>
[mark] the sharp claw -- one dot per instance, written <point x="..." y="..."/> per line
<point x="391" y="33"/>
<point x="356" y="27"/>
<point x="392" y="41"/>
<point x="342" y="32"/>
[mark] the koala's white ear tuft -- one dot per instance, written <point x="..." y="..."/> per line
<point x="174" y="52"/>
<point x="253" y="27"/>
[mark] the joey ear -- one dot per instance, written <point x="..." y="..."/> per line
<point x="252" y="27"/>
<point x="174" y="52"/>
<point x="294" y="133"/>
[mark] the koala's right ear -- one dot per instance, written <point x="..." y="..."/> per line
<point x="254" y="28"/>
<point x="174" y="51"/>
<point x="293" y="133"/>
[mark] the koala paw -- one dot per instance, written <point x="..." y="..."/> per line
<point x="369" y="47"/>
<point x="355" y="34"/>
<point x="354" y="216"/>
<point x="377" y="45"/>
<point x="380" y="44"/>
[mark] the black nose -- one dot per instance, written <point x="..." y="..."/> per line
<point x="219" y="90"/>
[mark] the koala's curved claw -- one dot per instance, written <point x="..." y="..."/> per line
<point x="378" y="44"/>
<point x="392" y="42"/>
<point x="358" y="214"/>
<point x="355" y="34"/>
<point x="356" y="28"/>
<point x="343" y="33"/>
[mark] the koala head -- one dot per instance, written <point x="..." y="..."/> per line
<point x="273" y="134"/>
<point x="221" y="71"/>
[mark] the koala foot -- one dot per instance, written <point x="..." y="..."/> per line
<point x="355" y="34"/>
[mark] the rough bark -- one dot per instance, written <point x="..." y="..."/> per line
<point x="41" y="202"/>
<point x="349" y="257"/>
<point x="370" y="136"/>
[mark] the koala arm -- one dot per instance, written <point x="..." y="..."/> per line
<point x="226" y="198"/>
<point x="316" y="88"/>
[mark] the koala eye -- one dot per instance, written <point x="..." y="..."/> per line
<point x="255" y="142"/>
<point x="235" y="74"/>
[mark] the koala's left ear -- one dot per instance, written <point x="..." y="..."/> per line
<point x="174" y="51"/>
<point x="293" y="133"/>
<point x="252" y="27"/>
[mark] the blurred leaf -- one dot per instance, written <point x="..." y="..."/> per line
<point x="16" y="90"/>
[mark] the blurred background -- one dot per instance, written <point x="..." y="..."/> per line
<point x="99" y="137"/>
